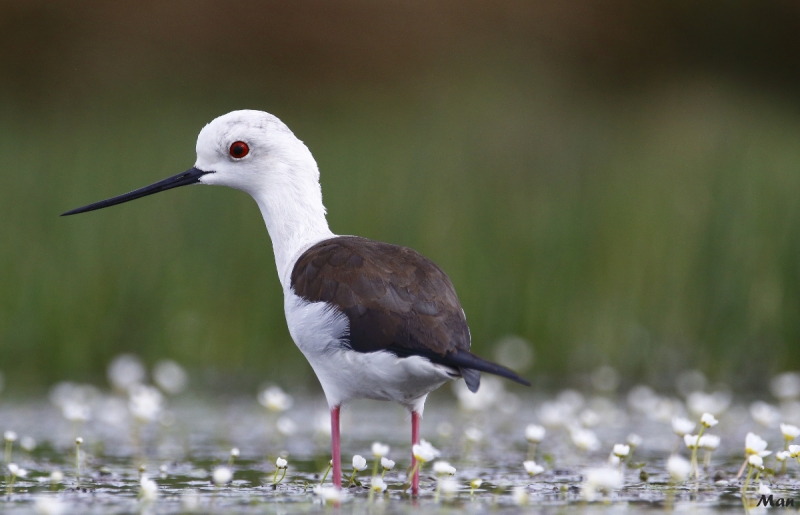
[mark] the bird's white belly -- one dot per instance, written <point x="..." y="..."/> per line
<point x="318" y="329"/>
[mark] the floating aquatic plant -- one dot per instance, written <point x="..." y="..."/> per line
<point x="281" y="465"/>
<point x="9" y="437"/>
<point x="78" y="443"/>
<point x="442" y="469"/>
<point x="359" y="464"/>
<point x="14" y="472"/>
<point x="534" y="434"/>
<point x="183" y="467"/>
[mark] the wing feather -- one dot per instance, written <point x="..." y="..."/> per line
<point x="395" y="300"/>
<point x="392" y="295"/>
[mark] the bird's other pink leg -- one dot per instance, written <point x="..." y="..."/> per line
<point x="336" y="448"/>
<point x="414" y="441"/>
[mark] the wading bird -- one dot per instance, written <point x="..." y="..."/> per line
<point x="374" y="320"/>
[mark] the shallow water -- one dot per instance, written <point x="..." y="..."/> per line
<point x="181" y="450"/>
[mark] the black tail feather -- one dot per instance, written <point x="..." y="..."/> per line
<point x="472" y="377"/>
<point x="464" y="361"/>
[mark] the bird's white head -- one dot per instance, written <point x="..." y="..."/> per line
<point x="255" y="152"/>
<point x="252" y="151"/>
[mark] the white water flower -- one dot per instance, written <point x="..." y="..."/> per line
<point x="519" y="495"/>
<point x="275" y="399"/>
<point x="10" y="436"/>
<point x="534" y="433"/>
<point x="27" y="443"/>
<point x="235" y="452"/>
<point x="489" y="394"/>
<point x="679" y="468"/>
<point x="359" y="463"/>
<point x="756" y="461"/>
<point x="473" y="434"/>
<point x="377" y="485"/>
<point x="691" y="441"/>
<point x="110" y="410"/>
<point x="709" y="442"/>
<point x="170" y="376"/>
<point x="48" y="506"/>
<point x="74" y="400"/>
<point x="16" y="470"/>
<point x="286" y="426"/>
<point x="532" y="468"/>
<point x="634" y="440"/>
<point x="621" y="450"/>
<point x="76" y="411"/>
<point x="682" y="426"/>
<point x="794" y="451"/>
<point x="387" y="464"/>
<point x="424" y="451"/>
<point x="765" y="414"/>
<point x="555" y="414"/>
<point x="708" y="420"/>
<point x="754" y="444"/>
<point x="476" y="483"/>
<point x="145" y="403"/>
<point x="149" y="488"/>
<point x="790" y="432"/>
<point x="782" y="456"/>
<point x="281" y="463"/>
<point x="584" y="439"/>
<point x="764" y="489"/>
<point x="379" y="450"/>
<point x="786" y="386"/>
<point x="589" y="418"/>
<point x="602" y="479"/>
<point x="711" y="403"/>
<point x="449" y="487"/>
<point x="56" y="477"/>
<point x="614" y="460"/>
<point x="665" y="409"/>
<point x="322" y="423"/>
<point x="126" y="371"/>
<point x="190" y="501"/>
<point x="222" y="476"/>
<point x="329" y="494"/>
<point x="443" y="468"/>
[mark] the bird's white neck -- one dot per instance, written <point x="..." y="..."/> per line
<point x="295" y="216"/>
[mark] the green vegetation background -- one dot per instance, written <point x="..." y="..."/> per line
<point x="615" y="196"/>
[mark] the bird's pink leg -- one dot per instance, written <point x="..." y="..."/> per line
<point x="337" y="452"/>
<point x="414" y="441"/>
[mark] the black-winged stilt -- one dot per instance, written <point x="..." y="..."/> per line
<point x="374" y="320"/>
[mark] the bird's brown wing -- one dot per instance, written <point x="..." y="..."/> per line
<point x="393" y="296"/>
<point x="395" y="300"/>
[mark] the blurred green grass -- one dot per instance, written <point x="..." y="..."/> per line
<point x="652" y="231"/>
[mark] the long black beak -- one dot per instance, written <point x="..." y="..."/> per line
<point x="190" y="176"/>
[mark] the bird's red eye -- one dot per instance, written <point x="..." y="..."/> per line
<point x="239" y="149"/>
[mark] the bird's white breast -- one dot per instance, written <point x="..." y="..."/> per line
<point x="319" y="330"/>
